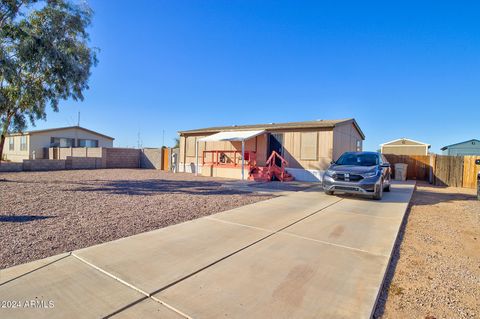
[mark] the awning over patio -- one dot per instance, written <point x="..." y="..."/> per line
<point x="238" y="136"/>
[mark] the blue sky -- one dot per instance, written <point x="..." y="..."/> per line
<point x="404" y="69"/>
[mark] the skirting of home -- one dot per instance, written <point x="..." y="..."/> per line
<point x="300" y="174"/>
<point x="306" y="175"/>
<point x="189" y="167"/>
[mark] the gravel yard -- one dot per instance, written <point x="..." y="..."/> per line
<point x="46" y="213"/>
<point x="435" y="271"/>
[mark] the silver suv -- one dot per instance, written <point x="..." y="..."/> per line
<point x="358" y="173"/>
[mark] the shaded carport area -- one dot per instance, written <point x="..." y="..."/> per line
<point x="302" y="255"/>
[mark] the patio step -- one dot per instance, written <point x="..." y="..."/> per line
<point x="266" y="173"/>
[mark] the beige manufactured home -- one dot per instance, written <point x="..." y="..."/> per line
<point x="308" y="147"/>
<point x="33" y="144"/>
<point x="405" y="146"/>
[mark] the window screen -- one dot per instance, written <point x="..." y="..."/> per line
<point x="309" y="144"/>
<point x="11" y="143"/>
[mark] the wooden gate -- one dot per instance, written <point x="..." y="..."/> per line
<point x="165" y="158"/>
<point x="441" y="170"/>
<point x="470" y="171"/>
<point x="449" y="171"/>
<point x="418" y="165"/>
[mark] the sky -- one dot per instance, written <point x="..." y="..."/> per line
<point x="401" y="69"/>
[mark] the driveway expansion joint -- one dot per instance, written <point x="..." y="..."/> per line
<point x="38" y="268"/>
<point x="333" y="244"/>
<point x="147" y="295"/>
<point x="242" y="249"/>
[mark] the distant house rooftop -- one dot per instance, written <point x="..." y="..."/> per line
<point x="404" y="140"/>
<point x="464" y="142"/>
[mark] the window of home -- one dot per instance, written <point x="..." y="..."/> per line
<point x="359" y="145"/>
<point x="62" y="142"/>
<point x="23" y="143"/>
<point x="87" y="143"/>
<point x="308" y="146"/>
<point x="11" y="143"/>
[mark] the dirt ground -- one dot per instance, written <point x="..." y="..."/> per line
<point x="47" y="213"/>
<point x="435" y="270"/>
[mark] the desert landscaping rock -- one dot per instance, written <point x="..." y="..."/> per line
<point x="47" y="213"/>
<point x="435" y="270"/>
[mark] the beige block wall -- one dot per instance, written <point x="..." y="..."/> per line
<point x="345" y="139"/>
<point x="122" y="157"/>
<point x="64" y="152"/>
<point x="16" y="155"/>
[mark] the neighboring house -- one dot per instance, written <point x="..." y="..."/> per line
<point x="309" y="147"/>
<point x="405" y="146"/>
<point x="32" y="144"/>
<point x="470" y="147"/>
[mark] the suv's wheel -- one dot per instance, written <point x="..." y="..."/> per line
<point x="378" y="192"/>
<point x="328" y="192"/>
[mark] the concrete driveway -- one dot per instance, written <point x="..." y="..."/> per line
<point x="302" y="255"/>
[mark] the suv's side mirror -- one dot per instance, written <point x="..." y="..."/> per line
<point x="332" y="162"/>
<point x="385" y="165"/>
<point x="477" y="162"/>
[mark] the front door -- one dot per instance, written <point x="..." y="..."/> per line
<point x="275" y="143"/>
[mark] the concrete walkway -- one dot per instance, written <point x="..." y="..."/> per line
<point x="302" y="255"/>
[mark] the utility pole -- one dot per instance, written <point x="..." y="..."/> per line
<point x="78" y="120"/>
<point x="163" y="138"/>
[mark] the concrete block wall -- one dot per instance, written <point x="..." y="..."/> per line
<point x="151" y="158"/>
<point x="10" y="167"/>
<point x="122" y="158"/>
<point x="83" y="162"/>
<point x="43" y="165"/>
<point x="90" y="158"/>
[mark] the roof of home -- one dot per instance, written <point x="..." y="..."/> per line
<point x="277" y="126"/>
<point x="472" y="140"/>
<point x="62" y="128"/>
<point x="405" y="139"/>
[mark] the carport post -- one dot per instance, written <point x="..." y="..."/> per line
<point x="243" y="159"/>
<point x="196" y="158"/>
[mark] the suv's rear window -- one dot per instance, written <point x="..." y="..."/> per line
<point x="358" y="159"/>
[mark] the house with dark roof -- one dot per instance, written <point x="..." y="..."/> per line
<point x="35" y="144"/>
<point x="307" y="148"/>
<point x="470" y="147"/>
